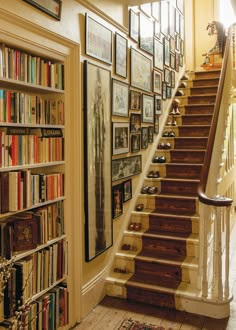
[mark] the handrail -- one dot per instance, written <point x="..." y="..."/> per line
<point x="218" y="200"/>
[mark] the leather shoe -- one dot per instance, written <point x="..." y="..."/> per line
<point x="139" y="207"/>
<point x="165" y="134"/>
<point x="171" y="134"/>
<point x="137" y="226"/>
<point x="161" y="159"/>
<point x="150" y="174"/>
<point x="167" y="145"/>
<point x="156" y="174"/>
<point x="161" y="145"/>
<point x="152" y="190"/>
<point x="145" y="190"/>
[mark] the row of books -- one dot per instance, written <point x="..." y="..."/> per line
<point x="29" y="149"/>
<point x="24" y="189"/>
<point x="27" y="230"/>
<point x="22" y="108"/>
<point x="19" y="65"/>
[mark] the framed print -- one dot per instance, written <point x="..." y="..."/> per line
<point x="172" y="45"/>
<point x="157" y="81"/>
<point x="135" y="142"/>
<point x="146" y="33"/>
<point x="181" y="60"/>
<point x="52" y="8"/>
<point x="117" y="200"/>
<point x="144" y="138"/>
<point x="126" y="167"/>
<point x="167" y="77"/>
<point x="120" y="138"/>
<point x="148" y="108"/>
<point x="98" y="40"/>
<point x="177" y="22"/>
<point x="150" y="134"/>
<point x="157" y="105"/>
<point x="134" y="25"/>
<point x="141" y="70"/>
<point x="168" y="92"/>
<point x="120" y="98"/>
<point x="158" y="54"/>
<point x="177" y="42"/>
<point x="165" y="18"/>
<point x="172" y="75"/>
<point x="127" y="190"/>
<point x="176" y="62"/>
<point x="166" y="52"/>
<point x="135" y="100"/>
<point x="135" y="123"/>
<point x="164" y="90"/>
<point x="146" y="8"/>
<point x="172" y="61"/>
<point x="121" y="47"/>
<point x="172" y="20"/>
<point x="181" y="27"/>
<point x="97" y="160"/>
<point x="156" y="124"/>
<point x="157" y="29"/>
<point x="156" y="11"/>
<point x="181" y="47"/>
<point x="180" y="5"/>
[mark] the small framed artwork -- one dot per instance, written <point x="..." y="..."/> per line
<point x="172" y="61"/>
<point x="165" y="18"/>
<point x="134" y="25"/>
<point x="117" y="200"/>
<point x="157" y="29"/>
<point x="135" y="123"/>
<point x="181" y="47"/>
<point x="120" y="98"/>
<point x="180" y="5"/>
<point x="144" y="138"/>
<point x="172" y="20"/>
<point x="156" y="124"/>
<point x="177" y="22"/>
<point x="98" y="40"/>
<point x="156" y="11"/>
<point x="172" y="44"/>
<point x="157" y="105"/>
<point x="127" y="190"/>
<point x="125" y="167"/>
<point x="164" y="90"/>
<point x="177" y="42"/>
<point x="167" y="77"/>
<point x="158" y="54"/>
<point x="157" y="81"/>
<point x="172" y="75"/>
<point x="120" y="138"/>
<point x="52" y="8"/>
<point x="181" y="27"/>
<point x="135" y="100"/>
<point x="135" y="142"/>
<point x="150" y="134"/>
<point x="176" y="62"/>
<point x="146" y="33"/>
<point x="166" y="52"/>
<point x="181" y="60"/>
<point x="121" y="47"/>
<point x="141" y="70"/>
<point x="168" y="92"/>
<point x="146" y="8"/>
<point x="148" y="108"/>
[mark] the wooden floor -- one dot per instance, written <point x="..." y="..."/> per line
<point x="110" y="313"/>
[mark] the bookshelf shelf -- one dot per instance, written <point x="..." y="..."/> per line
<point x="29" y="166"/>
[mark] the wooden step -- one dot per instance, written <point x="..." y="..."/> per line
<point x="196" y="119"/>
<point x="207" y="74"/>
<point x="190" y="142"/>
<point x="198" y="109"/>
<point x="205" y="82"/>
<point x="202" y="99"/>
<point x="187" y="157"/>
<point x="169" y="204"/>
<point x="181" y="187"/>
<point x="193" y="130"/>
<point x="202" y="90"/>
<point x="188" y="171"/>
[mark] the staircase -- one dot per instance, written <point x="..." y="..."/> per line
<point x="158" y="258"/>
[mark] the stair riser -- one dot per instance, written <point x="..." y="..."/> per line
<point x="175" y="206"/>
<point x="182" y="171"/>
<point x="160" y="225"/>
<point x="203" y="90"/>
<point x="194" y="131"/>
<point x="195" y="143"/>
<point x="205" y="82"/>
<point x="181" y="188"/>
<point x="207" y="74"/>
<point x="197" y="120"/>
<point x="201" y="100"/>
<point x="199" y="109"/>
<point x="187" y="157"/>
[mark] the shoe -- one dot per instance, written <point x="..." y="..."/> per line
<point x="131" y="226"/>
<point x="161" y="159"/>
<point x="161" y="145"/>
<point x="171" y="134"/>
<point x="172" y="112"/>
<point x="144" y="190"/>
<point x="177" y="112"/>
<point x="152" y="190"/>
<point x="179" y="93"/>
<point x="125" y="247"/>
<point x="137" y="226"/>
<point x="150" y="174"/>
<point x="174" y="122"/>
<point x="139" y="207"/>
<point x="185" y="77"/>
<point x="156" y="174"/>
<point x="169" y="123"/>
<point x="183" y="84"/>
<point x="175" y="102"/>
<point x="167" y="145"/>
<point x="165" y="134"/>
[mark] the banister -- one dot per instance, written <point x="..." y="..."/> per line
<point x="218" y="200"/>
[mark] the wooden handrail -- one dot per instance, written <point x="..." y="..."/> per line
<point x="218" y="200"/>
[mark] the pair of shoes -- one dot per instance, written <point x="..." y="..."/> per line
<point x="149" y="190"/>
<point x="183" y="84"/>
<point x="121" y="270"/>
<point x="153" y="174"/>
<point x="179" y="93"/>
<point x="172" y="122"/>
<point x="135" y="226"/>
<point x="139" y="207"/>
<point x="168" y="134"/>
<point x="163" y="145"/>
<point x="175" y="111"/>
<point x="175" y="102"/>
<point x="185" y="77"/>
<point x="161" y="159"/>
<point x="128" y="247"/>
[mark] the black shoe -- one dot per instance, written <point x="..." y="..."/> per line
<point x="161" y="159"/>
<point x="156" y="174"/>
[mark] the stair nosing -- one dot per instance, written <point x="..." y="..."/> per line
<point x="173" y="238"/>
<point x="181" y="217"/>
<point x="169" y="261"/>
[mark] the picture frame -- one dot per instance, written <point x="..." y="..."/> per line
<point x="157" y="105"/>
<point x="172" y="44"/>
<point x="177" y="62"/>
<point x="51" y="8"/>
<point x="98" y="40"/>
<point x="150" y="134"/>
<point x="165" y="18"/>
<point x="120" y="98"/>
<point x="127" y="190"/>
<point x="177" y="22"/>
<point x="146" y="33"/>
<point x="168" y="92"/>
<point x="157" y="29"/>
<point x="156" y="124"/>
<point x="121" y="48"/>
<point x="144" y="138"/>
<point x="146" y="8"/>
<point x="181" y="60"/>
<point x="180" y="5"/>
<point x="117" y="200"/>
<point x="157" y="81"/>
<point x="158" y="55"/>
<point x="167" y="77"/>
<point x="135" y="100"/>
<point x="177" y="43"/>
<point x="171" y="20"/>
<point x="181" y="27"/>
<point x="156" y="11"/>
<point x="97" y="161"/>
<point x="166" y="52"/>
<point x="172" y="74"/>
<point x="134" y="25"/>
<point x="141" y="70"/>
<point x="135" y="123"/>
<point x="172" y="61"/>
<point x="126" y="167"/>
<point x="164" y="91"/>
<point x="135" y="142"/>
<point x="147" y="108"/>
<point x="120" y="138"/>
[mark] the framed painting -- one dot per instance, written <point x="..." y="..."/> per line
<point x="168" y="92"/>
<point x="141" y="70"/>
<point x="157" y="29"/>
<point x="120" y="98"/>
<point x="177" y="22"/>
<point x="135" y="100"/>
<point x="148" y="108"/>
<point x="150" y="134"/>
<point x="117" y="200"/>
<point x="146" y="8"/>
<point x="135" y="142"/>
<point x="156" y="11"/>
<point x="135" y="123"/>
<point x="121" y="47"/>
<point x="156" y="124"/>
<point x="146" y="33"/>
<point x="127" y="190"/>
<point x="144" y="138"/>
<point x="126" y="167"/>
<point x="180" y="5"/>
<point x="52" y="8"/>
<point x="172" y="61"/>
<point x="177" y="62"/>
<point x="134" y="25"/>
<point x="172" y="20"/>
<point x="164" y="90"/>
<point x="157" y="105"/>
<point x="165" y="18"/>
<point x="98" y="40"/>
<point x="158" y="54"/>
<point x="97" y="160"/>
<point x="166" y="52"/>
<point x="172" y="75"/>
<point x="120" y="138"/>
<point x="167" y="77"/>
<point x="157" y="81"/>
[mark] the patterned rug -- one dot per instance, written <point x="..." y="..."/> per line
<point x="130" y="324"/>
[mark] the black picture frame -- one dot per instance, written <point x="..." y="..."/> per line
<point x="97" y="161"/>
<point x="134" y="25"/>
<point x="51" y="8"/>
<point x="150" y="134"/>
<point x="147" y="108"/>
<point x="120" y="138"/>
<point x="127" y="190"/>
<point x="121" y="49"/>
<point x="126" y="167"/>
<point x="120" y="98"/>
<point x="146" y="33"/>
<point x="135" y="143"/>
<point x="135" y="100"/>
<point x="135" y="122"/>
<point x="164" y="91"/>
<point x="140" y="70"/>
<point x="165" y="18"/>
<point x="166" y="52"/>
<point x="157" y="105"/>
<point x="117" y="200"/>
<point x="157" y="82"/>
<point x="144" y="138"/>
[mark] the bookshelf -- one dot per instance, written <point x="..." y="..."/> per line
<point x="39" y="186"/>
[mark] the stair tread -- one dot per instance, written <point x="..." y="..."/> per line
<point x="179" y="179"/>
<point x="193" y="238"/>
<point x="164" y="215"/>
<point x="190" y="262"/>
<point x="151" y="280"/>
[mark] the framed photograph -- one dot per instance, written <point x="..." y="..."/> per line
<point x="97" y="161"/>
<point x="120" y="138"/>
<point x="150" y="134"/>
<point x="182" y="47"/>
<point x="157" y="105"/>
<point x="176" y="62"/>
<point x="141" y="70"/>
<point x="180" y="5"/>
<point x="157" y="81"/>
<point x="165" y="18"/>
<point x="146" y="33"/>
<point x="135" y="100"/>
<point x="148" y="108"/>
<point x="117" y="200"/>
<point x="166" y="52"/>
<point x="126" y="167"/>
<point x="167" y="77"/>
<point x="135" y="123"/>
<point x="172" y="75"/>
<point x="127" y="190"/>
<point x="120" y="98"/>
<point x="121" y="47"/>
<point x="172" y="20"/>
<point x="172" y="45"/>
<point x="156" y="11"/>
<point x="164" y="90"/>
<point x="146" y="8"/>
<point x="172" y="61"/>
<point x="52" y="8"/>
<point x="134" y="25"/>
<point x="144" y="138"/>
<point x="177" y="42"/>
<point x="181" y="60"/>
<point x="158" y="54"/>
<point x="98" y="40"/>
<point x="168" y="92"/>
<point x="156" y="124"/>
<point x="135" y="142"/>
<point x="177" y="22"/>
<point x="181" y="27"/>
<point x="157" y="29"/>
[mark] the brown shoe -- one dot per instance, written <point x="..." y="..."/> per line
<point x="152" y="190"/>
<point x="139" y="207"/>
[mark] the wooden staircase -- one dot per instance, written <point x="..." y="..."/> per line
<point x="158" y="262"/>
